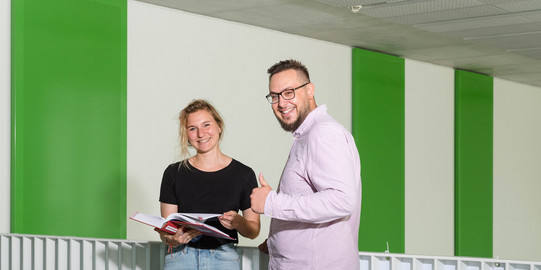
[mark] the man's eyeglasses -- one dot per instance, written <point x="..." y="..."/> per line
<point x="286" y="94"/>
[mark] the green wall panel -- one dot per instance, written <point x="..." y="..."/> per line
<point x="378" y="129"/>
<point x="473" y="164"/>
<point x="69" y="118"/>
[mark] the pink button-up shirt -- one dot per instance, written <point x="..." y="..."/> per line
<point x="316" y="209"/>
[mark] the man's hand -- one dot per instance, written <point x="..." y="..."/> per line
<point x="263" y="247"/>
<point x="259" y="195"/>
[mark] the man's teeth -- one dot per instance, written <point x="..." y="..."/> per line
<point x="286" y="111"/>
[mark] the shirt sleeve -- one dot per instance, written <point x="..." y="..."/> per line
<point x="167" y="189"/>
<point x="330" y="169"/>
<point x="249" y="184"/>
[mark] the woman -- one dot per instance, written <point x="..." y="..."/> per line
<point x="209" y="182"/>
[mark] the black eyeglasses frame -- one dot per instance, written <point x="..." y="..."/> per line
<point x="270" y="96"/>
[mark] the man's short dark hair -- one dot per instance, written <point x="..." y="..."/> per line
<point x="286" y="65"/>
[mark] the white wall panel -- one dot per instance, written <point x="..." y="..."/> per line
<point x="174" y="57"/>
<point x="429" y="159"/>
<point x="5" y="114"/>
<point x="517" y="177"/>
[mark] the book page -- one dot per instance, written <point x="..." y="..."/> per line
<point x="201" y="217"/>
<point x="191" y="217"/>
<point x="205" y="229"/>
<point x="151" y="220"/>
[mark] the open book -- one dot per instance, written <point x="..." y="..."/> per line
<point x="175" y="220"/>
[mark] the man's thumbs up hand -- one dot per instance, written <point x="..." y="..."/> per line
<point x="259" y="195"/>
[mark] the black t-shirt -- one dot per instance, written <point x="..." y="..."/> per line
<point x="196" y="191"/>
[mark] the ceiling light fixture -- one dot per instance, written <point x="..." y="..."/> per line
<point x="355" y="9"/>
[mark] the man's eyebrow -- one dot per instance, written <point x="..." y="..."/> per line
<point x="285" y="89"/>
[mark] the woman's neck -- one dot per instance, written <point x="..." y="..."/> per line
<point x="210" y="162"/>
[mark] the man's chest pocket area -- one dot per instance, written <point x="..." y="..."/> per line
<point x="294" y="178"/>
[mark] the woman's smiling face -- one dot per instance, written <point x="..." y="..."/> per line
<point x="203" y="131"/>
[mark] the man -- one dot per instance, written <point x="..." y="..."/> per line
<point x="316" y="210"/>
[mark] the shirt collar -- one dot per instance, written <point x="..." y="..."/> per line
<point x="305" y="125"/>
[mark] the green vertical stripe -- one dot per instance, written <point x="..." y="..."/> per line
<point x="473" y="164"/>
<point x="69" y="118"/>
<point x="378" y="129"/>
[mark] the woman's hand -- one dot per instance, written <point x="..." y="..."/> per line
<point x="246" y="224"/>
<point x="183" y="236"/>
<point x="230" y="220"/>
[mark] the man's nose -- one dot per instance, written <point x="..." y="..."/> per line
<point x="281" y="101"/>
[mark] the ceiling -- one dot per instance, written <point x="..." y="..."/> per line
<point x="501" y="38"/>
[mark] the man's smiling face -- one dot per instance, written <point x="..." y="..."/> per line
<point x="291" y="113"/>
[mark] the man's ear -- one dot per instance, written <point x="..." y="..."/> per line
<point x="310" y="90"/>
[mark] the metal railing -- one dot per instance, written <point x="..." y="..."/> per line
<point x="21" y="252"/>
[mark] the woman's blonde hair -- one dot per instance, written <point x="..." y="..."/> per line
<point x="194" y="106"/>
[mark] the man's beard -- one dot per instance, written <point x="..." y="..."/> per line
<point x="297" y="123"/>
<point x="291" y="127"/>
